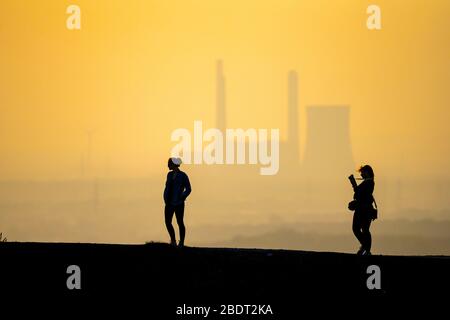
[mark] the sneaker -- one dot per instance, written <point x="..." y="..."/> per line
<point x="366" y="253"/>
<point x="360" y="251"/>
<point x="180" y="244"/>
<point x="173" y="243"/>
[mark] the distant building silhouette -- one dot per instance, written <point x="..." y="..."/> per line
<point x="327" y="151"/>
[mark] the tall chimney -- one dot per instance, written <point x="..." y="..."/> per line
<point x="293" y="139"/>
<point x="220" y="97"/>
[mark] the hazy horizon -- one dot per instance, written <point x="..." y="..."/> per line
<point x="86" y="118"/>
<point x="131" y="211"/>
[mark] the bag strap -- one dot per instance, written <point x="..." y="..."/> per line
<point x="375" y="202"/>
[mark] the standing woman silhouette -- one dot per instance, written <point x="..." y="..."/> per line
<point x="176" y="191"/>
<point x="363" y="215"/>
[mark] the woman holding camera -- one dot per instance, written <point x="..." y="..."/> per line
<point x="364" y="211"/>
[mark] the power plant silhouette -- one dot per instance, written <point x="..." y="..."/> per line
<point x="318" y="179"/>
<point x="327" y="152"/>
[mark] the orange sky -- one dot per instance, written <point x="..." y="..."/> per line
<point x="139" y="69"/>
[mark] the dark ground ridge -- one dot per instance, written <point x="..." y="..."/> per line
<point x="162" y="275"/>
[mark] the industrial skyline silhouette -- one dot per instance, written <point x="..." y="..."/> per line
<point x="327" y="153"/>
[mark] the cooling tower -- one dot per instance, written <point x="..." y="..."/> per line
<point x="328" y="153"/>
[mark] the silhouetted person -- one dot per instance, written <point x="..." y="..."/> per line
<point x="176" y="191"/>
<point x="364" y="211"/>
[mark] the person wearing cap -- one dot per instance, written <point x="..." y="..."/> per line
<point x="176" y="191"/>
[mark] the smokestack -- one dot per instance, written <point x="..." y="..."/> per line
<point x="293" y="139"/>
<point x="328" y="152"/>
<point x="220" y="97"/>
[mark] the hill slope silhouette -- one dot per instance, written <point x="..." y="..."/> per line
<point x="167" y="276"/>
